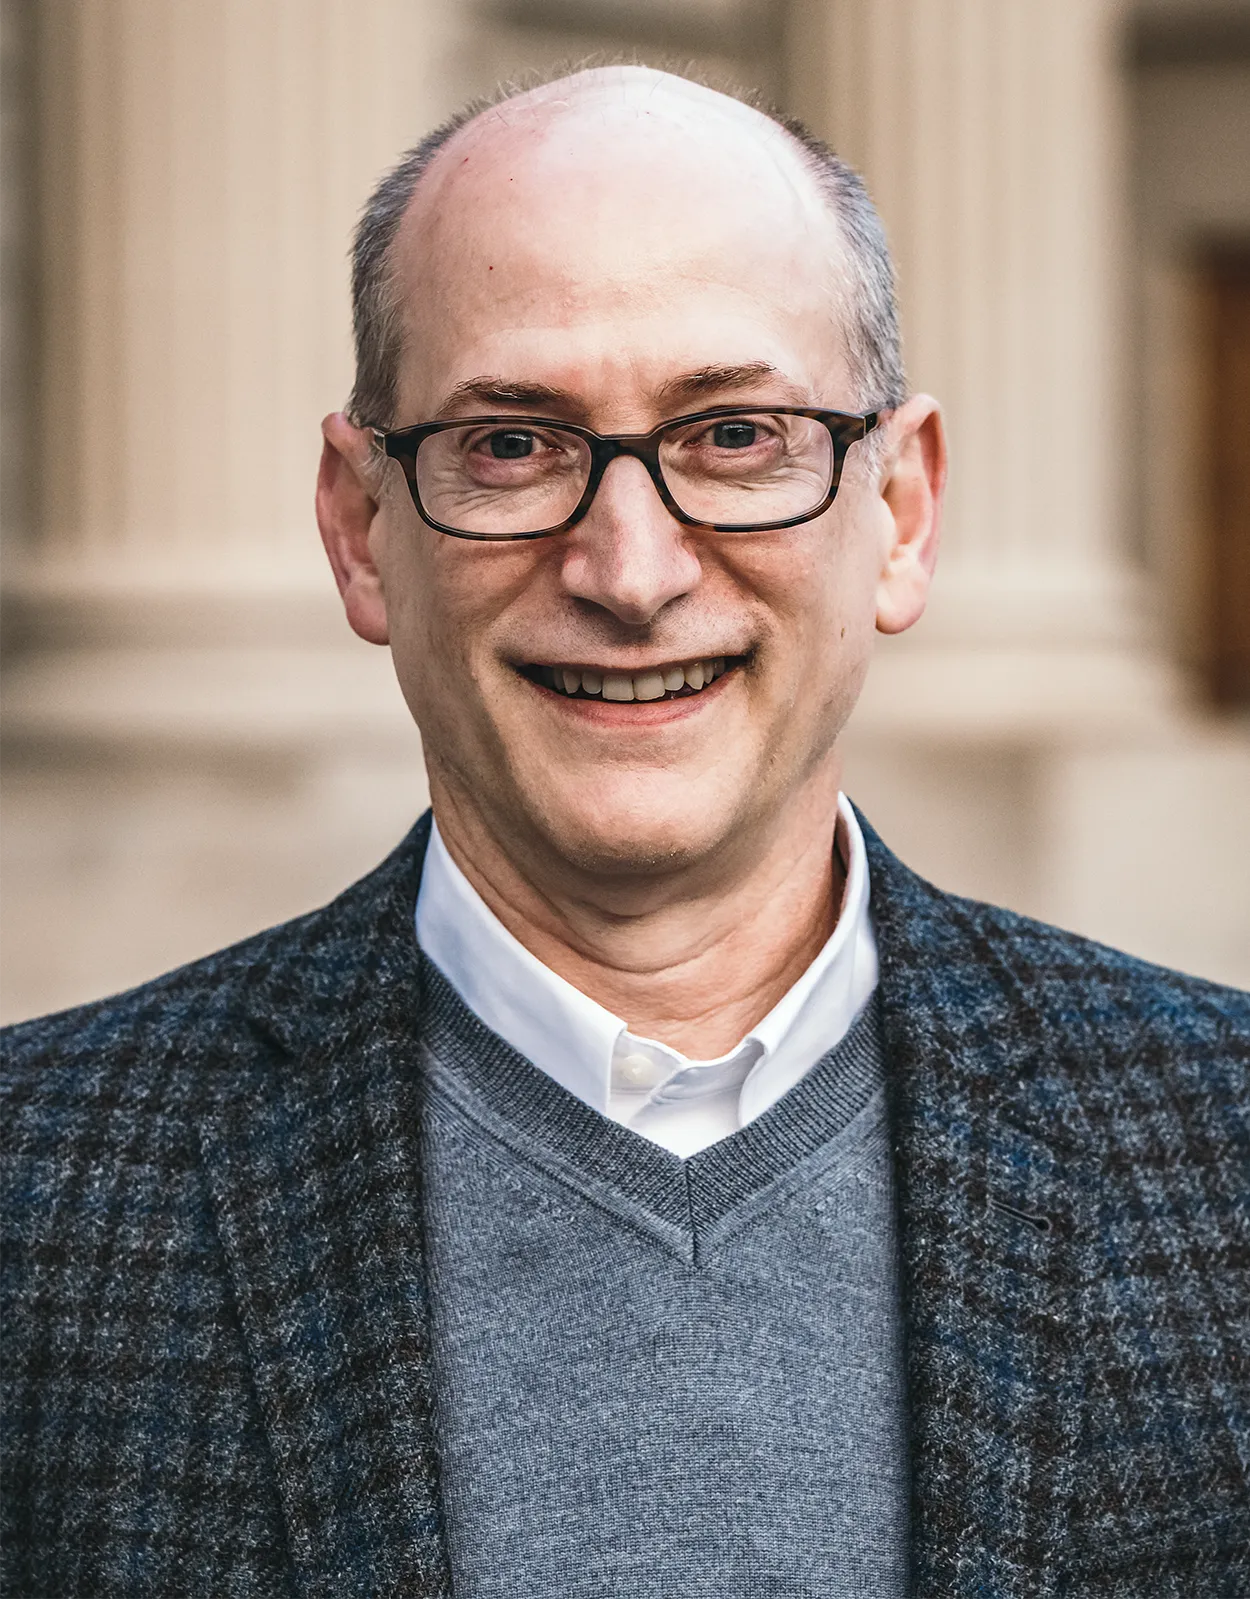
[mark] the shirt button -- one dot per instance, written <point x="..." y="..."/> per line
<point x="637" y="1071"/>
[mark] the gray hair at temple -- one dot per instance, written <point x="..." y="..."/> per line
<point x="870" y="309"/>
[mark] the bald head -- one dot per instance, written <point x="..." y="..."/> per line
<point x="635" y="165"/>
<point x="625" y="95"/>
<point x="619" y="120"/>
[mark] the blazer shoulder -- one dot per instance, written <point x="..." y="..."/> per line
<point x="1054" y="960"/>
<point x="179" y="1026"/>
<point x="1019" y="986"/>
<point x="1140" y="1043"/>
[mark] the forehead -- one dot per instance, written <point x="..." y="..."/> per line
<point x="637" y="223"/>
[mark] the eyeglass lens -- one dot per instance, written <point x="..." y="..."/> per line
<point x="506" y="479"/>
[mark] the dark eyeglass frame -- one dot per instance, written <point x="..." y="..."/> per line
<point x="845" y="428"/>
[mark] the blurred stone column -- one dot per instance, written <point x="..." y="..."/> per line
<point x="16" y="299"/>
<point x="201" y="169"/>
<point x="990" y="135"/>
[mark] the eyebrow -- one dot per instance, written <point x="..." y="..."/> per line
<point x="709" y="380"/>
<point x="690" y="387"/>
<point x="494" y="391"/>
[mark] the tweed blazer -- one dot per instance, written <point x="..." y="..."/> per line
<point x="217" y="1361"/>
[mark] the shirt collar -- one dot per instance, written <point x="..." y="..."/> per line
<point x="542" y="1016"/>
<point x="575" y="1040"/>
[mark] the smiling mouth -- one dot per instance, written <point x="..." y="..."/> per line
<point x="678" y="680"/>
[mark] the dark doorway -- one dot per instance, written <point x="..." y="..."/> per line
<point x="1227" y="653"/>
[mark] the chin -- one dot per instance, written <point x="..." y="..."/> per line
<point x="640" y="831"/>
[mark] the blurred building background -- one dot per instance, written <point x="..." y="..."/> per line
<point x="196" y="746"/>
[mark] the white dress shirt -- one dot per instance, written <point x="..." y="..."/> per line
<point x="645" y="1085"/>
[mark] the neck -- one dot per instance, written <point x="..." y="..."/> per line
<point x="695" y="968"/>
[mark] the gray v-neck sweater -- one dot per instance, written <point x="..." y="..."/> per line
<point x="659" y="1377"/>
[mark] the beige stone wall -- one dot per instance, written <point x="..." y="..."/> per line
<point x="195" y="744"/>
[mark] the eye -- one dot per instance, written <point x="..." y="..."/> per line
<point x="512" y="445"/>
<point x="734" y="434"/>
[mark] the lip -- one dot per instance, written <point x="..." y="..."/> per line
<point x="633" y="713"/>
<point x="635" y="668"/>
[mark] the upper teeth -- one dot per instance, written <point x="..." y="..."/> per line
<point x="652" y="684"/>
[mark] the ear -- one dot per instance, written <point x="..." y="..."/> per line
<point x="913" y="478"/>
<point x="346" y="509"/>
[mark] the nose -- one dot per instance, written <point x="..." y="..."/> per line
<point x="628" y="554"/>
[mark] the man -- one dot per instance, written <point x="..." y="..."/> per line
<point x="642" y="1183"/>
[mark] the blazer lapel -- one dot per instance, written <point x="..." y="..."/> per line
<point x="993" y="1197"/>
<point x="312" y="1153"/>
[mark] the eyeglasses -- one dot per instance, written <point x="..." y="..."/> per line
<point x="730" y="469"/>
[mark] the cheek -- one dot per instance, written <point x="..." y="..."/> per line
<point x="821" y="594"/>
<point x="445" y="599"/>
<point x="421" y="617"/>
